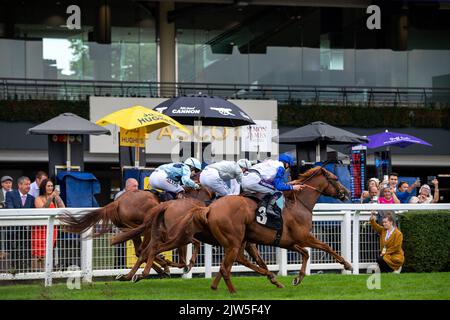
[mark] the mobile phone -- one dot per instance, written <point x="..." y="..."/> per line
<point x="57" y="188"/>
<point x="430" y="179"/>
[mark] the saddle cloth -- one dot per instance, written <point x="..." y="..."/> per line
<point x="263" y="217"/>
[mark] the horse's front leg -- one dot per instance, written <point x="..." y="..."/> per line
<point x="313" y="242"/>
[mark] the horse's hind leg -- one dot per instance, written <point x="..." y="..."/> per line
<point x="225" y="268"/>
<point x="195" y="252"/>
<point x="137" y="245"/>
<point x="133" y="271"/>
<point x="312" y="242"/>
<point x="305" y="257"/>
<point x="252" y="250"/>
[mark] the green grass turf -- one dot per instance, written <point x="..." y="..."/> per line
<point x="315" y="287"/>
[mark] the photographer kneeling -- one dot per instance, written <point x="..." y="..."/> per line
<point x="391" y="238"/>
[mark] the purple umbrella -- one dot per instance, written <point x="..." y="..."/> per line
<point x="387" y="139"/>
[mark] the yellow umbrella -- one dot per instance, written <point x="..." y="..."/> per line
<point x="137" y="117"/>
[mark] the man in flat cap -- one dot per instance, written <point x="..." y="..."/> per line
<point x="6" y="182"/>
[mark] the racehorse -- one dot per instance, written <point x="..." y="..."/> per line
<point x="231" y="221"/>
<point x="174" y="224"/>
<point x="127" y="212"/>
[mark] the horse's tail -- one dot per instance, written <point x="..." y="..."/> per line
<point x="201" y="214"/>
<point x="139" y="230"/>
<point x="88" y="219"/>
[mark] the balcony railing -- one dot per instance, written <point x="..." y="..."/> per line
<point x="39" y="89"/>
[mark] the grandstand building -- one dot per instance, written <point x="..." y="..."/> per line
<point x="302" y="60"/>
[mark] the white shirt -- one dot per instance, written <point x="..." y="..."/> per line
<point x="34" y="189"/>
<point x="268" y="169"/>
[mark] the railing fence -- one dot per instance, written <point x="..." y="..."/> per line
<point x="33" y="246"/>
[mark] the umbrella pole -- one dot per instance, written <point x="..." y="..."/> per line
<point x="68" y="164"/>
<point x="318" y="151"/>
<point x="198" y="149"/>
<point x="136" y="157"/>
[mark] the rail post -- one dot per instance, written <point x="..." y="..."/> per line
<point x="208" y="261"/>
<point x="49" y="251"/>
<point x="346" y="238"/>
<point x="355" y="255"/>
<point x="86" y="255"/>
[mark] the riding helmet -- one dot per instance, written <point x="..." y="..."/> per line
<point x="193" y="163"/>
<point x="286" y="158"/>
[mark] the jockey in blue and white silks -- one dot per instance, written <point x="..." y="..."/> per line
<point x="224" y="177"/>
<point x="267" y="178"/>
<point x="172" y="177"/>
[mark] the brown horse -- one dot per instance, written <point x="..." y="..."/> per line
<point x="174" y="224"/>
<point x="231" y="221"/>
<point x="127" y="212"/>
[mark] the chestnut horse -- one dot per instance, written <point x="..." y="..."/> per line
<point x="177" y="223"/>
<point x="231" y="221"/>
<point x="127" y="212"/>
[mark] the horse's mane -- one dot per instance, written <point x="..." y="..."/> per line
<point x="303" y="176"/>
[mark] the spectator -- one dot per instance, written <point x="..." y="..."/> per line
<point x="387" y="195"/>
<point x="20" y="238"/>
<point x="373" y="182"/>
<point x="20" y="198"/>
<point x="48" y="198"/>
<point x="130" y="185"/>
<point x="391" y="257"/>
<point x="34" y="188"/>
<point x="404" y="191"/>
<point x="425" y="194"/>
<point x="393" y="180"/>
<point x="6" y="182"/>
<point x="372" y="195"/>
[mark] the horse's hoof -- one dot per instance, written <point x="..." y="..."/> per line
<point x="136" y="278"/>
<point x="186" y="269"/>
<point x="348" y="267"/>
<point x="296" y="281"/>
<point x="164" y="275"/>
<point x="280" y="285"/>
<point x="214" y="288"/>
<point x="121" y="277"/>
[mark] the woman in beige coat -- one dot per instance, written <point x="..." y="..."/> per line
<point x="391" y="257"/>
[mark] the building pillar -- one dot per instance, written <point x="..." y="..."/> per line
<point x="167" y="49"/>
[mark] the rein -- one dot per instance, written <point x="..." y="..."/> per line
<point x="338" y="192"/>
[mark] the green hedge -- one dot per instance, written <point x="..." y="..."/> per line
<point x="365" y="117"/>
<point x="38" y="111"/>
<point x="288" y="115"/>
<point x="426" y="240"/>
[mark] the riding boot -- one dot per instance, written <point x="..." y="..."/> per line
<point x="272" y="206"/>
<point x="169" y="196"/>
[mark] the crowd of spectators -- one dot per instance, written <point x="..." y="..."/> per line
<point x="26" y="244"/>
<point x="392" y="191"/>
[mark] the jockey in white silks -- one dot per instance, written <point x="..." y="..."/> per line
<point x="224" y="177"/>
<point x="172" y="177"/>
<point x="269" y="178"/>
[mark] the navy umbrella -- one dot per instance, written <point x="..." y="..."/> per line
<point x="202" y="110"/>
<point x="211" y="111"/>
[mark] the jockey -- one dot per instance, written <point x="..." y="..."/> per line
<point x="267" y="178"/>
<point x="224" y="177"/>
<point x="172" y="177"/>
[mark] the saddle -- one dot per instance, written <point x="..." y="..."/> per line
<point x="269" y="217"/>
<point x="163" y="195"/>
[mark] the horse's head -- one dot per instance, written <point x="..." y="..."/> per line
<point x="324" y="182"/>
<point x="202" y="194"/>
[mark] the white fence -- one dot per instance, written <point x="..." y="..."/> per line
<point x="32" y="246"/>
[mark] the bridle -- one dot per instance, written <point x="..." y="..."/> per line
<point x="333" y="181"/>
